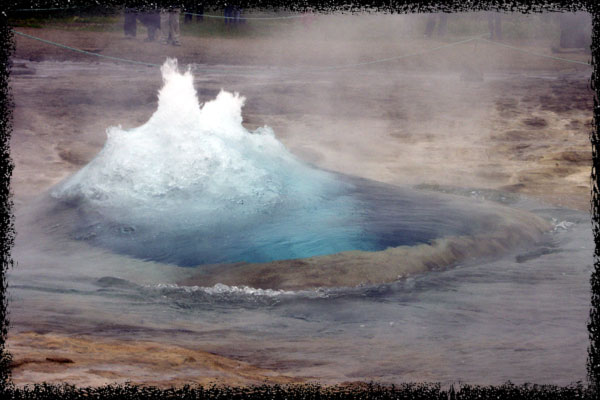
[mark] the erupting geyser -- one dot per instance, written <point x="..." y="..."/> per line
<point x="192" y="186"/>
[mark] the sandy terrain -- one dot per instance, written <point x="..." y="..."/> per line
<point x="517" y="124"/>
<point x="92" y="361"/>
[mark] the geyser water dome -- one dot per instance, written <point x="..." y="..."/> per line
<point x="192" y="186"/>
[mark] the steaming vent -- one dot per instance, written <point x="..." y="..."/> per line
<point x="192" y="186"/>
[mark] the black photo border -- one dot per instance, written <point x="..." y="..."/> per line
<point x="590" y="389"/>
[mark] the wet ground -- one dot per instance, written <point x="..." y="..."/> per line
<point x="515" y="137"/>
<point x="519" y="317"/>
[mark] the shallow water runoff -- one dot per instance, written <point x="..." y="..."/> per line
<point x="190" y="224"/>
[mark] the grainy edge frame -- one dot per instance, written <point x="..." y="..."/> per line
<point x="593" y="363"/>
<point x="6" y="217"/>
<point x="403" y="6"/>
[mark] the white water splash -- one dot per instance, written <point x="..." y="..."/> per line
<point x="562" y="225"/>
<point x="193" y="186"/>
<point x="193" y="155"/>
<point x="220" y="288"/>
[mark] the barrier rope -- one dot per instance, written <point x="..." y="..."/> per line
<point x="314" y="69"/>
<point x="535" y="54"/>
<point x="319" y="69"/>
<point x="85" y="52"/>
<point x="185" y="12"/>
<point x="327" y="68"/>
<point x="243" y="18"/>
<point x="43" y="9"/>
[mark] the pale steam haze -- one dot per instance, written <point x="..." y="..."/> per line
<point x="326" y="197"/>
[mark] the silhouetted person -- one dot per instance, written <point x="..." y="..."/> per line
<point x="495" y="25"/>
<point x="575" y="30"/>
<point x="197" y="9"/>
<point x="130" y="26"/>
<point x="228" y="12"/>
<point x="169" y="26"/>
<point x="237" y="15"/>
<point x="151" y="20"/>
<point x="442" y="25"/>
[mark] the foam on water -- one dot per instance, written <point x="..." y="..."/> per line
<point x="220" y="288"/>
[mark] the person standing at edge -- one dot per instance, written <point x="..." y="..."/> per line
<point x="495" y="25"/>
<point x="442" y="25"/>
<point x="193" y="8"/>
<point x="169" y="26"/>
<point x="228" y="12"/>
<point x="129" y="23"/>
<point x="150" y="17"/>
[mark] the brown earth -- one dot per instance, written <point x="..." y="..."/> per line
<point x="93" y="361"/>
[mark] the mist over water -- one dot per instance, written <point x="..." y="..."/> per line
<point x="478" y="286"/>
<point x="192" y="186"/>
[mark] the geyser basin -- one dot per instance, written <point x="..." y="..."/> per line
<point x="192" y="187"/>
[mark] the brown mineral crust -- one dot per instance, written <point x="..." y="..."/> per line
<point x="95" y="361"/>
